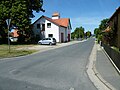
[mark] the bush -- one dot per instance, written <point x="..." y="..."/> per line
<point x="99" y="38"/>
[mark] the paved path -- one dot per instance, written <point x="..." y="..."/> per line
<point x="101" y="71"/>
<point x="107" y="70"/>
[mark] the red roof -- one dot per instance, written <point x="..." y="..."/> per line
<point x="14" y="33"/>
<point x="63" y="22"/>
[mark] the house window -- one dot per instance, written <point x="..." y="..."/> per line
<point x="38" y="26"/>
<point x="48" y="25"/>
<point x="43" y="27"/>
<point x="50" y="35"/>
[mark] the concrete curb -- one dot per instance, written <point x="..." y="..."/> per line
<point x="93" y="74"/>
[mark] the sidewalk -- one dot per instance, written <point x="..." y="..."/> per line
<point x="48" y="47"/>
<point x="106" y="70"/>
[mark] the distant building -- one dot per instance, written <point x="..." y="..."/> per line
<point x="59" y="28"/>
<point x="14" y="35"/>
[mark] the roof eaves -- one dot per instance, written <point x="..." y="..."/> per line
<point x="117" y="10"/>
<point x="51" y="20"/>
<point x="63" y="26"/>
<point x="38" y="19"/>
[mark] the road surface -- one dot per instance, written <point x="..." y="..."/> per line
<point x="59" y="69"/>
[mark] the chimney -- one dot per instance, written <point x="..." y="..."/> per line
<point x="56" y="15"/>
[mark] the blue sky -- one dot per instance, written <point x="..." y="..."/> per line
<point x="85" y="13"/>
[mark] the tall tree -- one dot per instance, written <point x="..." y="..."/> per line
<point x="20" y="12"/>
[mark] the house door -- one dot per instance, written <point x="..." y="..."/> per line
<point x="68" y="37"/>
<point x="62" y="37"/>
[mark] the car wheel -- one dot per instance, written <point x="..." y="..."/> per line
<point x="40" y="43"/>
<point x="50" y="43"/>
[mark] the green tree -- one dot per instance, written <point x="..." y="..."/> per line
<point x="78" y="33"/>
<point x="103" y="24"/>
<point x="97" y="32"/>
<point x="73" y="35"/>
<point x="81" y="32"/>
<point x="102" y="27"/>
<point x="88" y="34"/>
<point x="20" y="12"/>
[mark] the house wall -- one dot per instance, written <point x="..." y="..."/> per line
<point x="69" y="30"/>
<point x="53" y="30"/>
<point x="115" y="37"/>
<point x="119" y="29"/>
<point x="38" y="31"/>
<point x="115" y="26"/>
<point x="64" y="31"/>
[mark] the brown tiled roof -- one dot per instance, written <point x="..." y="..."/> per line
<point x="64" y="22"/>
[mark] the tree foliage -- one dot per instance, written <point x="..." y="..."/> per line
<point x="78" y="33"/>
<point x="88" y="34"/>
<point x="103" y="25"/>
<point x="19" y="11"/>
<point x="98" y="31"/>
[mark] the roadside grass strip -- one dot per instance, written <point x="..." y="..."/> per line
<point x="14" y="51"/>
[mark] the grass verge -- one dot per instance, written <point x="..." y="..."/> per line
<point x="116" y="49"/>
<point x="14" y="51"/>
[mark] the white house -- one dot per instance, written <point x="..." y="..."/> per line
<point x="59" y="28"/>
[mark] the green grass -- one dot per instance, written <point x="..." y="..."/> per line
<point x="14" y="51"/>
<point x="116" y="49"/>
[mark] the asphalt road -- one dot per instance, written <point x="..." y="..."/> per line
<point x="59" y="69"/>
